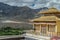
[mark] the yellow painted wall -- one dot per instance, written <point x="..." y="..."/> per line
<point x="37" y="27"/>
<point x="58" y="25"/>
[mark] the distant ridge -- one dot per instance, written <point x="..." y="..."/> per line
<point x="18" y="13"/>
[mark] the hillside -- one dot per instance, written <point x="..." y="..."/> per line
<point x="17" y="13"/>
<point x="21" y="14"/>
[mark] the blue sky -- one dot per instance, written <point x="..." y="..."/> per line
<point x="34" y="4"/>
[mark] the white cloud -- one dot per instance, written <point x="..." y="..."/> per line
<point x="28" y="0"/>
<point x="36" y="6"/>
<point x="33" y="3"/>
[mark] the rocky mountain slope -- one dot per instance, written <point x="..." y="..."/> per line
<point x="17" y="13"/>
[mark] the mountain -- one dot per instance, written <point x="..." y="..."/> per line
<point x="17" y="13"/>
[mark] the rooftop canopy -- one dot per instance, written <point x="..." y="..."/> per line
<point x="46" y="18"/>
<point x="50" y="10"/>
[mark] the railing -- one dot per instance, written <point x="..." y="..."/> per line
<point x="51" y="34"/>
<point x="54" y="34"/>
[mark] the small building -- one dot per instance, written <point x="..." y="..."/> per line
<point x="48" y="24"/>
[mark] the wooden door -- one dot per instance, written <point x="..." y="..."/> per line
<point x="43" y="29"/>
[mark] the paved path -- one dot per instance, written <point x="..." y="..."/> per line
<point x="27" y="36"/>
<point x="38" y="37"/>
<point x="11" y="36"/>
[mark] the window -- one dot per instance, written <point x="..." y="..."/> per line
<point x="51" y="28"/>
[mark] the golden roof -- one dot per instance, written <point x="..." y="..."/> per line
<point x="46" y="18"/>
<point x="50" y="10"/>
